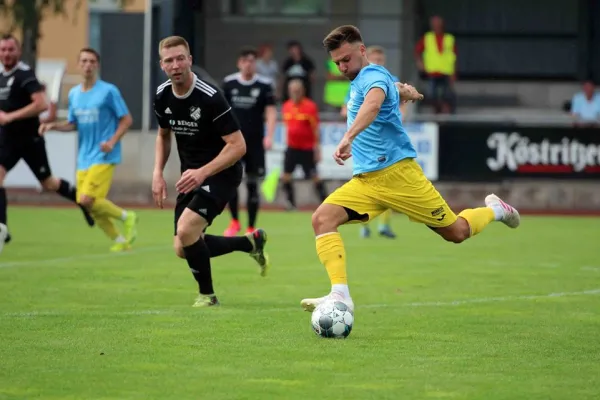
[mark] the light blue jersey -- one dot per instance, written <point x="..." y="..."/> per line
<point x="96" y="113"/>
<point x="385" y="141"/>
<point x="394" y="77"/>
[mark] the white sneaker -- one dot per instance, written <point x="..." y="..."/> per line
<point x="3" y="234"/>
<point x="310" y="304"/>
<point x="510" y="215"/>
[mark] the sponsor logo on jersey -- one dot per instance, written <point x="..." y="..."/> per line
<point x="195" y="113"/>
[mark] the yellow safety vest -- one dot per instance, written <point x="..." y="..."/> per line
<point x="436" y="61"/>
<point x="335" y="91"/>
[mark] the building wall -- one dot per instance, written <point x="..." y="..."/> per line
<point x="62" y="36"/>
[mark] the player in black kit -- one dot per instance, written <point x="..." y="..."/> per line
<point x="252" y="99"/>
<point x="210" y="146"/>
<point x="22" y="99"/>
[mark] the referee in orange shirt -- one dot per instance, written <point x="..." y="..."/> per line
<point x="301" y="116"/>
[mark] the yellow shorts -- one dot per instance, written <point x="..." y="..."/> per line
<point x="95" y="182"/>
<point x="401" y="187"/>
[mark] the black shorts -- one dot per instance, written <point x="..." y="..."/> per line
<point x="210" y="199"/>
<point x="303" y="158"/>
<point x="32" y="151"/>
<point x="440" y="88"/>
<point x="254" y="159"/>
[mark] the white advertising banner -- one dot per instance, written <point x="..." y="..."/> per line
<point x="424" y="137"/>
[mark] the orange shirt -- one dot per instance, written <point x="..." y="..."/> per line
<point x="301" y="121"/>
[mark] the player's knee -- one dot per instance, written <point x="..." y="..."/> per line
<point x="253" y="197"/>
<point x="286" y="178"/>
<point x="2" y="175"/>
<point x="323" y="221"/>
<point x="457" y="235"/>
<point x="51" y="184"/>
<point x="188" y="234"/>
<point x="178" y="247"/>
<point x="86" y="201"/>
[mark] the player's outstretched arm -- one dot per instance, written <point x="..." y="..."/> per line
<point x="63" y="126"/>
<point x="161" y="156"/>
<point x="124" y="124"/>
<point x="36" y="107"/>
<point x="271" y="118"/>
<point x="232" y="152"/>
<point x="367" y="113"/>
<point x="408" y="92"/>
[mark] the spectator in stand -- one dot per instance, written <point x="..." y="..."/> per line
<point x="585" y="106"/>
<point x="266" y="65"/>
<point x="297" y="66"/>
<point x="435" y="54"/>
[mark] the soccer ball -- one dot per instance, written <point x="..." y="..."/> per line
<point x="332" y="319"/>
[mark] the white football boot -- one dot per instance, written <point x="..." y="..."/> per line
<point x="510" y="216"/>
<point x="310" y="304"/>
<point x="3" y="235"/>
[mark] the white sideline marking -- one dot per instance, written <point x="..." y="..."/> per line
<point x="26" y="263"/>
<point x="281" y="309"/>
<point x="588" y="268"/>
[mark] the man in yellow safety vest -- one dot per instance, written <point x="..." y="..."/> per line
<point x="435" y="54"/>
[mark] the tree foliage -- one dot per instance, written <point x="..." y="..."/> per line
<point x="25" y="16"/>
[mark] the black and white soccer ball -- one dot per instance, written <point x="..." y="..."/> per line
<point x="332" y="319"/>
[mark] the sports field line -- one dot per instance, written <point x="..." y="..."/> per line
<point x="98" y="256"/>
<point x="186" y="310"/>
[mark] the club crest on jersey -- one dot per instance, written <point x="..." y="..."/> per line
<point x="234" y="91"/>
<point x="255" y="92"/>
<point x="195" y="113"/>
<point x="10" y="81"/>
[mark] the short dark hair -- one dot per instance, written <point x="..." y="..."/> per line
<point x="340" y="35"/>
<point x="91" y="51"/>
<point x="248" y="51"/>
<point x="10" y="36"/>
<point x="294" y="43"/>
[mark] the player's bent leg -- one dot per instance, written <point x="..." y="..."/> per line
<point x="67" y="191"/>
<point x="253" y="243"/>
<point x="332" y="254"/>
<point x="190" y="228"/>
<point x="178" y="247"/>
<point x="234" y="226"/>
<point x="288" y="188"/>
<point x="350" y="203"/>
<point x="253" y="202"/>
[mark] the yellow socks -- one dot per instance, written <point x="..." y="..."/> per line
<point x="478" y="218"/>
<point x="386" y="217"/>
<point x="107" y="208"/>
<point x="330" y="249"/>
<point x="108" y="227"/>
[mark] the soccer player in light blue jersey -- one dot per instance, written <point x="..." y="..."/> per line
<point x="385" y="172"/>
<point x="376" y="55"/>
<point x="99" y="114"/>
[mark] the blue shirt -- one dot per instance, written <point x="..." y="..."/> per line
<point x="587" y="111"/>
<point x="385" y="141"/>
<point x="394" y="77"/>
<point x="96" y="113"/>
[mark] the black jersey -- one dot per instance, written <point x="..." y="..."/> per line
<point x="199" y="120"/>
<point x="249" y="100"/>
<point x="16" y="88"/>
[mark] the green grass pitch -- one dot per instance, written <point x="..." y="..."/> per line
<point x="510" y="314"/>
